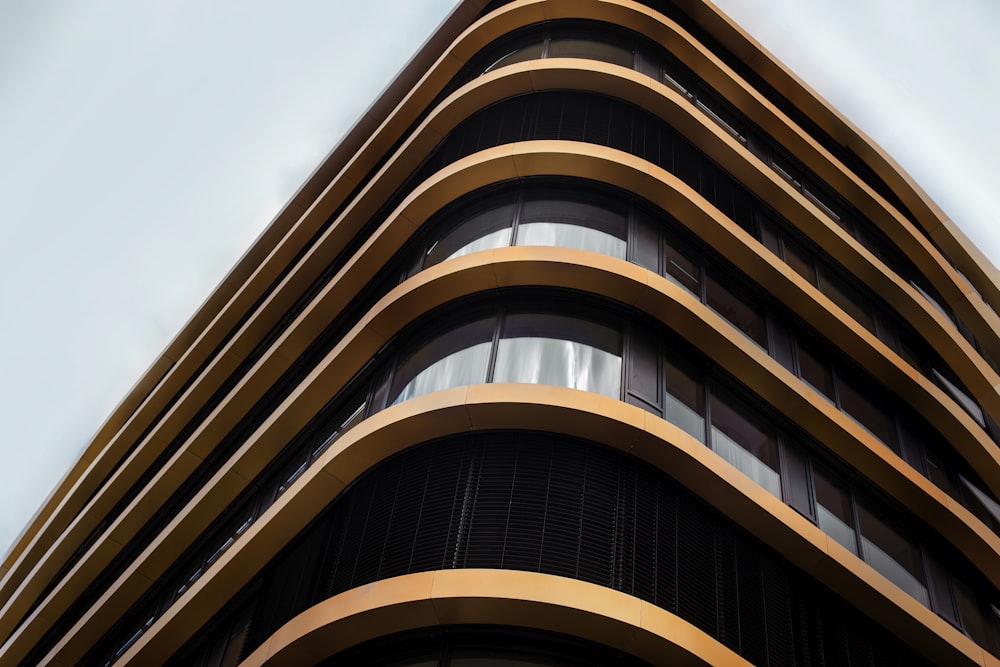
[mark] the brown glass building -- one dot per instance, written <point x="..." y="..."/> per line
<point x="600" y="340"/>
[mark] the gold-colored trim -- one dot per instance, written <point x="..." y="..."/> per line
<point x="566" y="411"/>
<point x="491" y="597"/>
<point x="571" y="159"/>
<point x="558" y="267"/>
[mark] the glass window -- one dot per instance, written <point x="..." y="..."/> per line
<point x="581" y="47"/>
<point x="857" y="399"/>
<point x="973" y="620"/>
<point x="560" y="350"/>
<point x="960" y="396"/>
<point x="685" y="400"/>
<point x="815" y="371"/>
<point x="646" y="242"/>
<point x="981" y="504"/>
<point x="573" y="224"/>
<point x="484" y="229"/>
<point x="456" y="358"/>
<point x="745" y="439"/>
<point x="722" y="296"/>
<point x="517" y="55"/>
<point x="682" y="264"/>
<point x="892" y="554"/>
<point x="800" y="260"/>
<point x="834" y="514"/>
<point x="353" y="416"/>
<point x="848" y="299"/>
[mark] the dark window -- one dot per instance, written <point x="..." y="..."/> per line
<point x="489" y="228"/>
<point x="745" y="439"/>
<point x="834" y="512"/>
<point x="685" y="399"/>
<point x="582" y="47"/>
<point x="742" y="310"/>
<point x="891" y="553"/>
<point x="456" y="358"/>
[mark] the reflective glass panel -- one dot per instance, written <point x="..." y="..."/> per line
<point x="518" y="55"/>
<point x="800" y="260"/>
<point x="560" y="350"/>
<point x="456" y="358"/>
<point x="685" y="400"/>
<point x="682" y="265"/>
<point x="973" y="620"/>
<point x="746" y="440"/>
<point x="581" y="47"/>
<point x="483" y="230"/>
<point x="833" y="509"/>
<point x="570" y="224"/>
<point x="739" y="308"/>
<point x="848" y="299"/>
<point x="858" y="399"/>
<point x="893" y="555"/>
<point x="815" y="371"/>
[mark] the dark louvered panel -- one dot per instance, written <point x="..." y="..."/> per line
<point x="696" y="585"/>
<point x="542" y="503"/>
<point x="807" y="632"/>
<point x="778" y="615"/>
<point x="404" y="520"/>
<point x="597" y="494"/>
<point x="666" y="548"/>
<point x="650" y="141"/>
<point x="444" y="493"/>
<point x="753" y="627"/>
<point x="620" y="137"/>
<point x="289" y="590"/>
<point x="482" y="529"/>
<point x="371" y="543"/>
<point x="574" y="120"/>
<point x="563" y="515"/>
<point x="548" y="118"/>
<point x="642" y="548"/>
<point x="599" y="121"/>
<point x="859" y="643"/>
<point x="728" y="571"/>
<point x="348" y="530"/>
<point x="835" y="651"/>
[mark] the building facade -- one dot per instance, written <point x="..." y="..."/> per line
<point x="600" y="340"/>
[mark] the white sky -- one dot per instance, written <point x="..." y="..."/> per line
<point x="144" y="146"/>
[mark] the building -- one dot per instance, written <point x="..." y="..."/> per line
<point x="600" y="338"/>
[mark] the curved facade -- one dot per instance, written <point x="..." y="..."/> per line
<point x="600" y="340"/>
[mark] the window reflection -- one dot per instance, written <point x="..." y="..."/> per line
<point x="745" y="440"/>
<point x="685" y="400"/>
<point x="485" y="229"/>
<point x="456" y="358"/>
<point x="560" y="350"/>
<point x="834" y="513"/>
<point x="891" y="554"/>
<point x="566" y="223"/>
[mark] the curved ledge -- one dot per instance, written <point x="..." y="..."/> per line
<point x="568" y="268"/>
<point x="970" y="260"/>
<point x="663" y="30"/>
<point x="494" y="597"/>
<point x="570" y="412"/>
<point x="551" y="409"/>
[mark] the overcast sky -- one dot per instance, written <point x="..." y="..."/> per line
<point x="143" y="146"/>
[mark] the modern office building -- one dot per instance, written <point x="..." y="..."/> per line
<point x="600" y="340"/>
